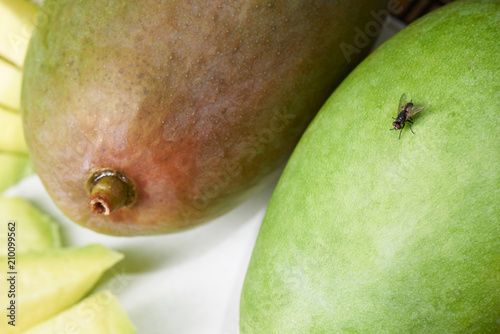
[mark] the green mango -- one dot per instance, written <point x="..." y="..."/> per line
<point x="147" y="117"/>
<point x="369" y="233"/>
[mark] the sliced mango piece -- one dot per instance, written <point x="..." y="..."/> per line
<point x="11" y="133"/>
<point x="34" y="230"/>
<point x="100" y="313"/>
<point x="48" y="282"/>
<point x="17" y="18"/>
<point x="13" y="167"/>
<point x="10" y="86"/>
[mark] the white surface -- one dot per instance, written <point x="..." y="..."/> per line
<point x="185" y="283"/>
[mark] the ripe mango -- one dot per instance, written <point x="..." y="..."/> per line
<point x="146" y="117"/>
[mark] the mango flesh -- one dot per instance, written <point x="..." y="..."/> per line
<point x="11" y="133"/>
<point x="368" y="233"/>
<point x="50" y="281"/>
<point x="10" y="86"/>
<point x="193" y="102"/>
<point x="33" y="231"/>
<point x="100" y="313"/>
<point x="13" y="167"/>
<point x="17" y="19"/>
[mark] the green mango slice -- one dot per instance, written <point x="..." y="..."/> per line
<point x="27" y="226"/>
<point x="47" y="282"/>
<point x="100" y="313"/>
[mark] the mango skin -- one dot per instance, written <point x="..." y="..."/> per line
<point x="366" y="233"/>
<point x="195" y="102"/>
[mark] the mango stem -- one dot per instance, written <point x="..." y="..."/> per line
<point x="109" y="193"/>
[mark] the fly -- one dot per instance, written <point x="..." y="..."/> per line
<point x="405" y="113"/>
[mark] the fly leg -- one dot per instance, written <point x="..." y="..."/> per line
<point x="411" y="121"/>
<point x="400" y="132"/>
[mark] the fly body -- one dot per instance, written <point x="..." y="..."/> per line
<point x="406" y="111"/>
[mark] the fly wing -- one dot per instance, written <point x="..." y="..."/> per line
<point x="402" y="102"/>
<point x="415" y="110"/>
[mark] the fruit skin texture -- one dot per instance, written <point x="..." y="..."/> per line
<point x="366" y="233"/>
<point x="194" y="102"/>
